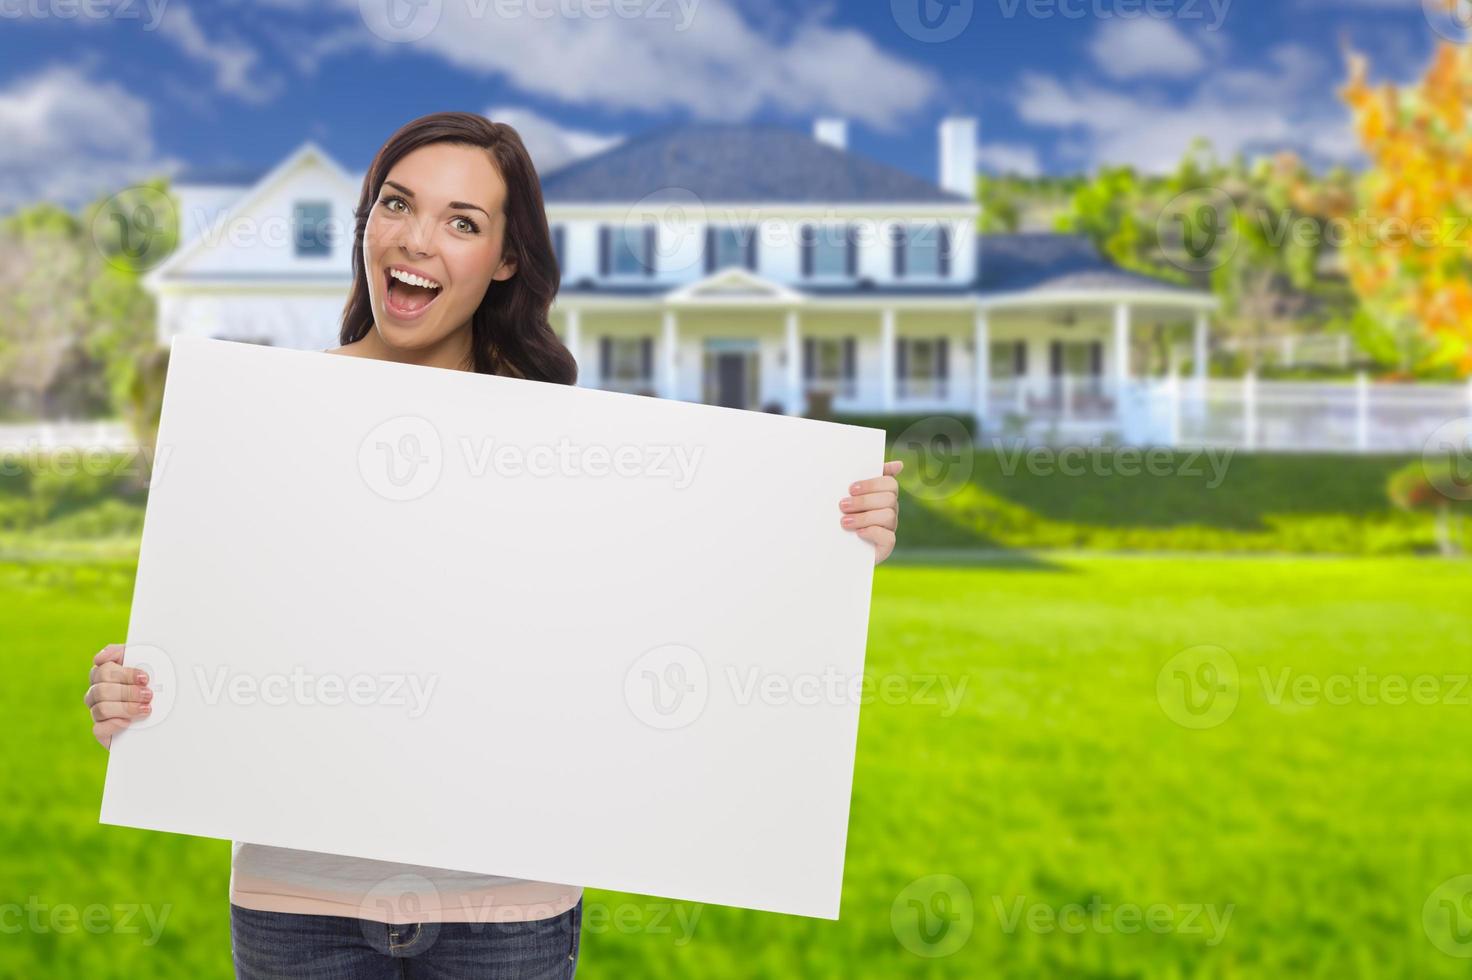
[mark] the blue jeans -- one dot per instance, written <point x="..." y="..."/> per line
<point x="333" y="947"/>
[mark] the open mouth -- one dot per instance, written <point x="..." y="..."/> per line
<point x="408" y="295"/>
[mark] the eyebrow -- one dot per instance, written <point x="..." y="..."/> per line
<point x="457" y="205"/>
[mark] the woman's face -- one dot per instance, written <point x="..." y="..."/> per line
<point x="439" y="217"/>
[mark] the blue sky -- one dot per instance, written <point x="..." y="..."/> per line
<point x="97" y="93"/>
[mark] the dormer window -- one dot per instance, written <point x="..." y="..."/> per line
<point x="829" y="251"/>
<point x="626" y="250"/>
<point x="728" y="245"/>
<point x="312" y="228"/>
<point x="922" y="251"/>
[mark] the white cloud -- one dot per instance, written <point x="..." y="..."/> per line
<point x="1144" y="47"/>
<point x="68" y="138"/>
<point x="234" y="62"/>
<point x="550" y="144"/>
<point x="1288" y="103"/>
<point x="1020" y="159"/>
<point x="703" y="57"/>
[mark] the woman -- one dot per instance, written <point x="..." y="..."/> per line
<point x="453" y="267"/>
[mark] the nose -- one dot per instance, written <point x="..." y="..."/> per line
<point x="416" y="239"/>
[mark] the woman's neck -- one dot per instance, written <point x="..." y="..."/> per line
<point x="452" y="352"/>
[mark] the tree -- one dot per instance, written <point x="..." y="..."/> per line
<point x="1412" y="266"/>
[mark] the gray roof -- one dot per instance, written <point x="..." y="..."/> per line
<point x="731" y="163"/>
<point x="1052" y="262"/>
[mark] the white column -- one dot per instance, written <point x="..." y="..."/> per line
<point x="1198" y="350"/>
<point x="886" y="360"/>
<point x="1249" y="410"/>
<point x="982" y="363"/>
<point x="794" y="365"/>
<point x="573" y="338"/>
<point x="1121" y="348"/>
<point x="669" y="360"/>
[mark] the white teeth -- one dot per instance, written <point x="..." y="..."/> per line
<point x="412" y="279"/>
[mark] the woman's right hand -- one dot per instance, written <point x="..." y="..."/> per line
<point x="117" y="694"/>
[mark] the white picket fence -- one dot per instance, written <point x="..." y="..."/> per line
<point x="1292" y="416"/>
<point x="44" y="437"/>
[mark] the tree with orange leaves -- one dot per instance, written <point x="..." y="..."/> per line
<point x="1411" y="261"/>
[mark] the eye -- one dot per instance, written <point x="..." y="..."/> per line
<point x="473" y="227"/>
<point x="388" y="202"/>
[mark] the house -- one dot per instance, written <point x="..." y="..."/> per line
<point x="750" y="266"/>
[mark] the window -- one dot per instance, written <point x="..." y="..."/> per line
<point x="921" y="365"/>
<point x="921" y="251"/>
<point x="828" y="364"/>
<point x="1008" y="359"/>
<point x="1077" y="358"/>
<point x="626" y="363"/>
<point x="559" y="247"/>
<point x="727" y="245"/>
<point x="311" y="225"/>
<point x="828" y="251"/>
<point x="626" y="250"/>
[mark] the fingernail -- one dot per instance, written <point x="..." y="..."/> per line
<point x="846" y="503"/>
<point x="145" y="709"/>
<point x="854" y="488"/>
<point x="147" y="694"/>
<point x="848" y="521"/>
<point x="142" y="678"/>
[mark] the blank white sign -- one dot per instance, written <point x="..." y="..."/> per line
<point x="501" y="626"/>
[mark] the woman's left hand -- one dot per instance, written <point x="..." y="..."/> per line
<point x="872" y="508"/>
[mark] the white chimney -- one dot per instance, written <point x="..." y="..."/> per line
<point x="958" y="155"/>
<point x="834" y="132"/>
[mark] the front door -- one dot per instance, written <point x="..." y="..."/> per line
<point x="730" y="370"/>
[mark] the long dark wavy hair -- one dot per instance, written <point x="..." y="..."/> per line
<point x="509" y="332"/>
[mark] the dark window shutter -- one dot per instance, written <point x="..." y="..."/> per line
<point x="807" y="250"/>
<point x="941" y="357"/>
<point x="1096" y="358"/>
<point x="1019" y="357"/>
<point x="605" y="356"/>
<point x="605" y="240"/>
<point x="646" y="358"/>
<point x="850" y="368"/>
<point x="902" y="353"/>
<point x="1055" y="358"/>
<point x="809" y="358"/>
<point x="710" y="249"/>
<point x="898" y="240"/>
<point x="751" y="248"/>
<point x="944" y="263"/>
<point x="649" y="231"/>
<point x="851" y="254"/>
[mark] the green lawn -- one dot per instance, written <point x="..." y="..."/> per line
<point x="1293" y="838"/>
